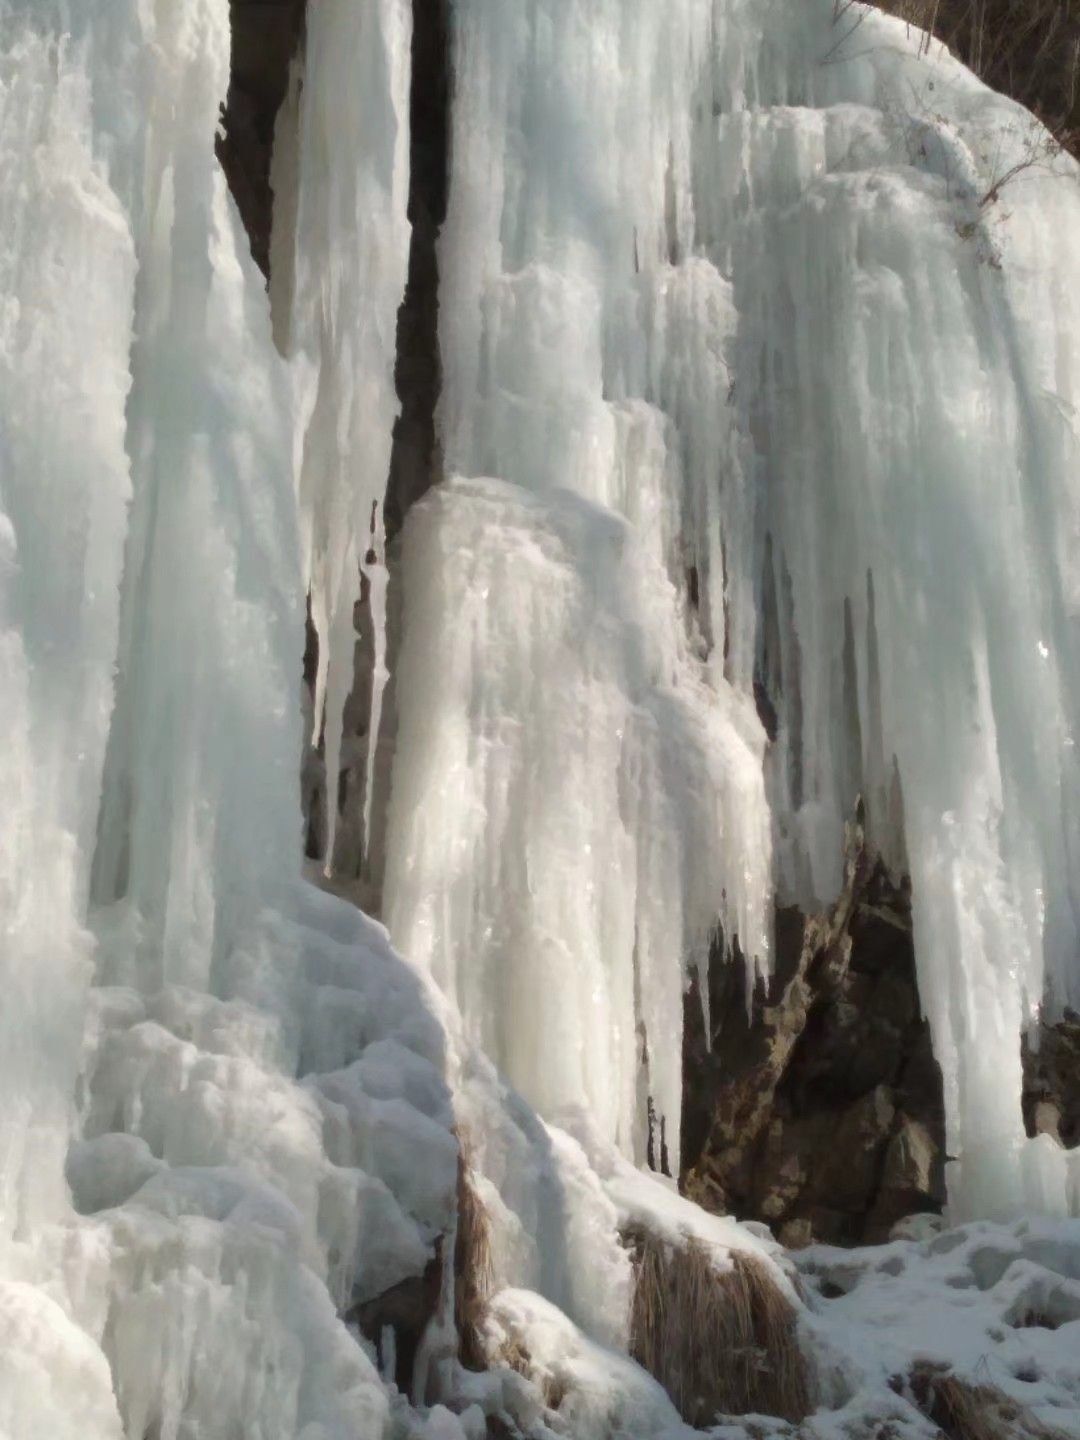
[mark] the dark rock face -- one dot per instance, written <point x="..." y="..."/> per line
<point x="265" y="36"/>
<point x="350" y="841"/>
<point x="416" y="463"/>
<point x="1052" y="1080"/>
<point x="821" y="1113"/>
<point x="407" y="1310"/>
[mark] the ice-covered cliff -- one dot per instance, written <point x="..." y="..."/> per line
<point x="744" y="329"/>
<point x="758" y="345"/>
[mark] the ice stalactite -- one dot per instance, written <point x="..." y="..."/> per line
<point x="64" y="487"/>
<point x="208" y="621"/>
<point x="338" y="260"/>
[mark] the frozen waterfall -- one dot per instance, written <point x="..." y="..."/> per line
<point x="760" y="355"/>
<point x="748" y="374"/>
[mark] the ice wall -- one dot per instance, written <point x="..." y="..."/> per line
<point x="182" y="1219"/>
<point x="908" y="371"/>
<point x="742" y="381"/>
<point x="64" y="487"/>
<point x="776" y="381"/>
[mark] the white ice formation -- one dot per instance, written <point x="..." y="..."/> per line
<point x="746" y="373"/>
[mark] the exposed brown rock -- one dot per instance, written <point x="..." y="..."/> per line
<point x="473" y="1266"/>
<point x="416" y="460"/>
<point x="1052" y="1080"/>
<point x="964" y="1411"/>
<point x="820" y="1114"/>
<point x="407" y="1309"/>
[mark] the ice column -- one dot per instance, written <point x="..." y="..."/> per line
<point x="218" y="1212"/>
<point x="577" y="792"/>
<point x="198" y="818"/>
<point x="340" y="256"/>
<point x="67" y="272"/>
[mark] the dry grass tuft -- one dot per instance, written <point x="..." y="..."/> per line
<point x="974" y="1412"/>
<point x="473" y="1265"/>
<point x="553" y="1389"/>
<point x="719" y="1342"/>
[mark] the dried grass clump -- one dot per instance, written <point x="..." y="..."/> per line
<point x="974" y="1412"/>
<point x="720" y="1342"/>
<point x="553" y="1389"/>
<point x="473" y="1266"/>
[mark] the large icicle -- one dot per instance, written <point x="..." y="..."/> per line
<point x="197" y="825"/>
<point x="67" y="273"/>
<point x="577" y="797"/>
<point x="340" y="257"/>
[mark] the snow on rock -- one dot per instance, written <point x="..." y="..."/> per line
<point x="995" y="1305"/>
<point x="596" y="1391"/>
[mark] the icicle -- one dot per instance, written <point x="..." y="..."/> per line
<point x="902" y="380"/>
<point x="344" y="236"/>
<point x="377" y="579"/>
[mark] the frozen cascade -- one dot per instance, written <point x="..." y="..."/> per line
<point x="740" y="383"/>
<point x="767" y="384"/>
<point x="182" y="1220"/>
<point x="908" y="371"/>
<point x="58" y="625"/>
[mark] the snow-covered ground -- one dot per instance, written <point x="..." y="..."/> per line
<point x="706" y="280"/>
